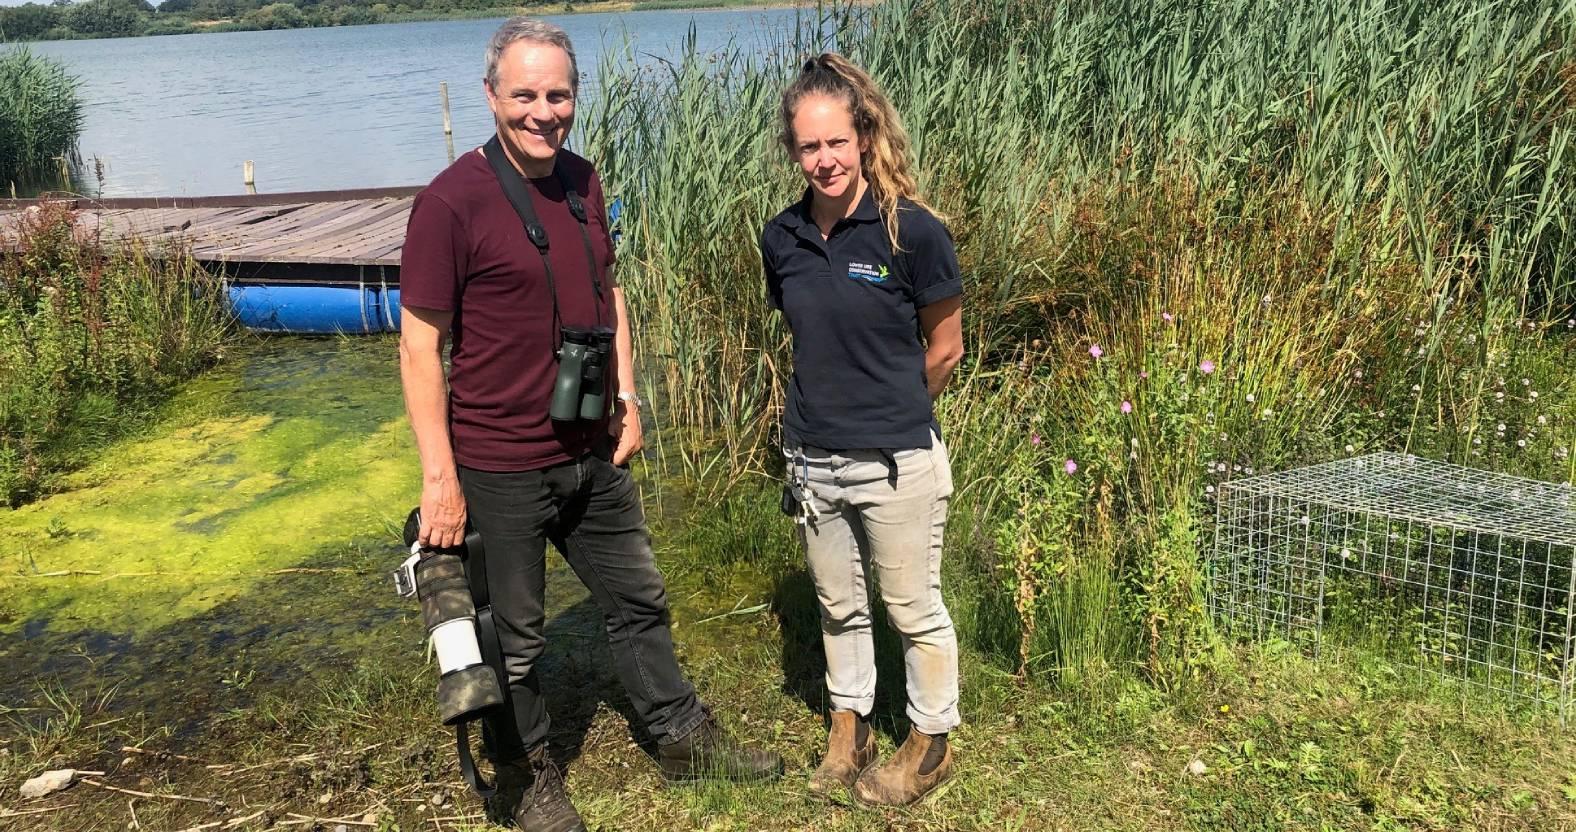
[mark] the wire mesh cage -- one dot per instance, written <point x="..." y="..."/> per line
<point x="1469" y="574"/>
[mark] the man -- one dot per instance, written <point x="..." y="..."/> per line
<point x="491" y="452"/>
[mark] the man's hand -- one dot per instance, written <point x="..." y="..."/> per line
<point x="625" y="429"/>
<point x="442" y="513"/>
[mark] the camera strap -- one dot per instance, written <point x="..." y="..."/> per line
<point x="492" y="655"/>
<point x="519" y="195"/>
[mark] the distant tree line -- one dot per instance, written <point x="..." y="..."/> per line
<point x="63" y="19"/>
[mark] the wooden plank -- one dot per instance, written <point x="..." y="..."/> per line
<point x="349" y="243"/>
<point x="265" y="237"/>
<point x="344" y="228"/>
<point x="292" y="223"/>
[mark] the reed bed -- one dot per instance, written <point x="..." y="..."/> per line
<point x="40" y="116"/>
<point x="1200" y="239"/>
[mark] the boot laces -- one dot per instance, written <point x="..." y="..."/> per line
<point x="547" y="787"/>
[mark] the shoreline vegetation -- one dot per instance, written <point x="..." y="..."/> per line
<point x="1201" y="241"/>
<point x="88" y="19"/>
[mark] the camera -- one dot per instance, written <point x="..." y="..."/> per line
<point x="580" y="391"/>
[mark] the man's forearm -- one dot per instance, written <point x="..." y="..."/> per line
<point x="623" y="346"/>
<point x="426" y="405"/>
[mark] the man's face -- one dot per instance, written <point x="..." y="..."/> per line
<point x="533" y="102"/>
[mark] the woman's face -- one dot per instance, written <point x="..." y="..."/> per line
<point x="827" y="146"/>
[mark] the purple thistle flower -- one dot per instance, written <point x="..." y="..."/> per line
<point x="1070" y="467"/>
<point x="1095" y="351"/>
<point x="1127" y="406"/>
<point x="1167" y="317"/>
<point x="1206" y="367"/>
<point x="1034" y="438"/>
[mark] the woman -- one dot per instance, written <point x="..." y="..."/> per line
<point x="867" y="279"/>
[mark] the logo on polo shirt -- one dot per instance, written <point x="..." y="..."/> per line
<point x="867" y="272"/>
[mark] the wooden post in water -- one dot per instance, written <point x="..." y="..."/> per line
<point x="448" y="126"/>
<point x="249" y="176"/>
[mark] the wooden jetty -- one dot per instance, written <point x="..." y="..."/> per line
<point x="344" y="237"/>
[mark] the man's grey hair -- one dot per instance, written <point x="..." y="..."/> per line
<point x="534" y="31"/>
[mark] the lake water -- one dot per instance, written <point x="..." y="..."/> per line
<point x="347" y="107"/>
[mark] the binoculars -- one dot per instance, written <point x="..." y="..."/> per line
<point x="580" y="391"/>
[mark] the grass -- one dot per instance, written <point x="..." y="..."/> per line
<point x="1289" y="230"/>
<point x="1349" y="743"/>
<point x="1279" y="232"/>
<point x="91" y="338"/>
<point x="40" y="116"/>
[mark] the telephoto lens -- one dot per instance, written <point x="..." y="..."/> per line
<point x="565" y="406"/>
<point x="467" y="686"/>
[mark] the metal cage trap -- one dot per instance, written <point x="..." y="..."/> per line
<point x="1470" y="574"/>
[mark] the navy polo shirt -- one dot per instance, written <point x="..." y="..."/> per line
<point x="853" y="307"/>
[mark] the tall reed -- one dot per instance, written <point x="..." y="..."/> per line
<point x="1289" y="228"/>
<point x="40" y="116"/>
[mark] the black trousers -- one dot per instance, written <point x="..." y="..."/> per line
<point x="590" y="511"/>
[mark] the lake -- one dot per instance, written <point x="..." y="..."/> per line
<point x="345" y="107"/>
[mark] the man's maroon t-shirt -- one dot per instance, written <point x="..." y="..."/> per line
<point x="466" y="251"/>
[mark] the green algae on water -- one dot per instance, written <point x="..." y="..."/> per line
<point x="292" y="448"/>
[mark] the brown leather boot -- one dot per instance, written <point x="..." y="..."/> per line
<point x="903" y="779"/>
<point x="844" y="761"/>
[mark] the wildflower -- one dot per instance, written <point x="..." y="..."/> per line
<point x="1209" y="489"/>
<point x="1070" y="467"/>
<point x="1034" y="438"/>
<point x="1143" y="374"/>
<point x="1127" y="406"/>
<point x="1543" y="420"/>
<point x="1526" y="382"/>
<point x="1248" y="470"/>
<point x="1358" y="372"/>
<point x="1167" y="317"/>
<point x="1521" y="443"/>
<point x="1266" y="413"/>
<point x="1134" y="441"/>
<point x="1206" y="367"/>
<point x="1417" y="388"/>
<point x="1533" y="395"/>
<point x="1499" y="396"/>
<point x="1351" y="449"/>
<point x="1500" y="428"/>
<point x="1094" y="350"/>
<point x="1250" y="398"/>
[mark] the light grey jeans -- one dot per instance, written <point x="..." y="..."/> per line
<point x="888" y="511"/>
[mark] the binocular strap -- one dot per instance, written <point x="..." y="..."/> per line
<point x="462" y="744"/>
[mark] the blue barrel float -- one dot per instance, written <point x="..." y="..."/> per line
<point x="369" y="307"/>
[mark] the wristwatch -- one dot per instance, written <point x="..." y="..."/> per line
<point x="631" y="398"/>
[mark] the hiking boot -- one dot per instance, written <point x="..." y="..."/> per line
<point x="545" y="806"/>
<point x="909" y="775"/>
<point x="707" y="752"/>
<point x="845" y="756"/>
